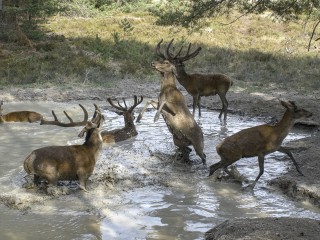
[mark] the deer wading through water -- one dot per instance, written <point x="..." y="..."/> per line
<point x="197" y="85"/>
<point x="172" y="106"/>
<point x="74" y="162"/>
<point x="19" y="116"/>
<point x="129" y="130"/>
<point x="260" y="141"/>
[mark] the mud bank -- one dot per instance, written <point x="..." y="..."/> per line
<point x="266" y="228"/>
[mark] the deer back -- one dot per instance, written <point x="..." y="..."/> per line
<point x="73" y="162"/>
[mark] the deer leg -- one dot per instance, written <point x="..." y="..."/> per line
<point x="83" y="184"/>
<point x="261" y="169"/>
<point x="36" y="180"/>
<point x="153" y="104"/>
<point x="199" y="105"/>
<point x="156" y="117"/>
<point x="224" y="106"/>
<point x="215" y="167"/>
<point x="288" y="152"/>
<point x="194" y="103"/>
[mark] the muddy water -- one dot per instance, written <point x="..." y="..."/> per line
<point x="138" y="190"/>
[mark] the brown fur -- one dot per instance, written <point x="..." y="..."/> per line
<point x="20" y="116"/>
<point x="198" y="85"/>
<point x="175" y="112"/>
<point x="75" y="162"/>
<point x="259" y="141"/>
<point x="129" y="130"/>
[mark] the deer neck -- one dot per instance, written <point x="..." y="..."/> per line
<point x="182" y="75"/>
<point x="128" y="122"/>
<point x="168" y="79"/>
<point x="93" y="139"/>
<point x="284" y="126"/>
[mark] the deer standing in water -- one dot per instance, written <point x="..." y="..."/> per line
<point x="172" y="106"/>
<point x="197" y="85"/>
<point x="260" y="141"/>
<point x="129" y="130"/>
<point x="74" y="162"/>
<point x="19" y="116"/>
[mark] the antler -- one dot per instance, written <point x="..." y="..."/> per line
<point x="158" y="52"/>
<point x="71" y="123"/>
<point x="125" y="108"/>
<point x="186" y="57"/>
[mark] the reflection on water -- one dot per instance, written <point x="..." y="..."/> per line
<point x="137" y="190"/>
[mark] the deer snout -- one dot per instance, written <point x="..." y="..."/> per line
<point x="153" y="64"/>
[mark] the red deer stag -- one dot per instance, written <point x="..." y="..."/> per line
<point x="175" y="112"/>
<point x="260" y="141"/>
<point x="74" y="162"/>
<point x="197" y="85"/>
<point x="20" y="116"/>
<point x="129" y="130"/>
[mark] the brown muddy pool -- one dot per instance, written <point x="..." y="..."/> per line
<point x="137" y="190"/>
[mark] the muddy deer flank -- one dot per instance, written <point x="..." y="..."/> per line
<point x="197" y="85"/>
<point x="19" y="116"/>
<point x="74" y="162"/>
<point x="259" y="141"/>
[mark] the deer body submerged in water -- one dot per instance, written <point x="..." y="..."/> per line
<point x="259" y="141"/>
<point x="75" y="162"/>
<point x="19" y="116"/>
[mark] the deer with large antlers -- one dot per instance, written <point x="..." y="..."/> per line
<point x="74" y="162"/>
<point x="197" y="85"/>
<point x="71" y="123"/>
<point x="129" y="130"/>
<point x="19" y="116"/>
<point x="260" y="141"/>
<point x="174" y="110"/>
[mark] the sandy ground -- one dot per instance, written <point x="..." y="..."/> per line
<point x="255" y="104"/>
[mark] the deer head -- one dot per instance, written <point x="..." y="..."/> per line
<point x="124" y="110"/>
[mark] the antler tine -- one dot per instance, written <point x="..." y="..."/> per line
<point x="97" y="117"/>
<point x="176" y="56"/>
<point x="115" y="106"/>
<point x="70" y="124"/>
<point x="191" y="55"/>
<point x="124" y="102"/>
<point x="136" y="102"/>
<point x="167" y="52"/>
<point x="158" y="52"/>
<point x="96" y="111"/>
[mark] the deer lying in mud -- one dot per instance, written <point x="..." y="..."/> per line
<point x="197" y="85"/>
<point x="74" y="162"/>
<point x="260" y="141"/>
<point x="172" y="106"/>
<point x="19" y="116"/>
<point x="129" y="130"/>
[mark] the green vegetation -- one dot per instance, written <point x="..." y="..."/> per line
<point x="100" y="44"/>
